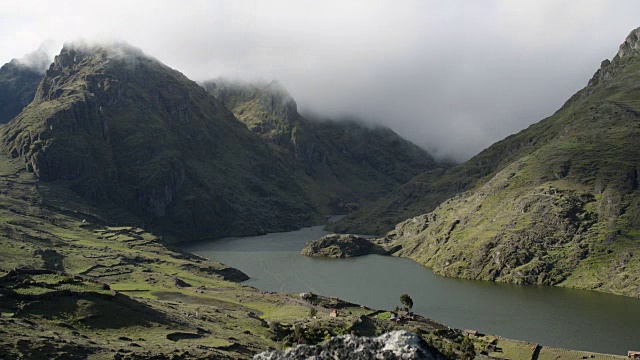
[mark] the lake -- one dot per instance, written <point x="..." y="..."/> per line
<point x="552" y="316"/>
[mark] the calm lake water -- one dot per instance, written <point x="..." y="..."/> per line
<point x="567" y="318"/>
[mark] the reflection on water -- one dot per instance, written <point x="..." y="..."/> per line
<point x="567" y="318"/>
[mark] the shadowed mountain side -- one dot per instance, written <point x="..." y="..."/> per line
<point x="19" y="80"/>
<point x="118" y="127"/>
<point x="345" y="163"/>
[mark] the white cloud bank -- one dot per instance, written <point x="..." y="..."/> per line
<point x="454" y="76"/>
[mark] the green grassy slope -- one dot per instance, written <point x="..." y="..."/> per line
<point x="125" y="131"/>
<point x="565" y="211"/>
<point x="344" y="164"/>
<point x="91" y="291"/>
<point x="426" y="191"/>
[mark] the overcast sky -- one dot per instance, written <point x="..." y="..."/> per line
<point x="452" y="76"/>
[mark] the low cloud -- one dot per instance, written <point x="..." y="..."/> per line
<point x="452" y="76"/>
<point x="40" y="59"/>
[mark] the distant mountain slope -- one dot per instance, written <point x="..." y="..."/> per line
<point x="19" y="80"/>
<point x="346" y="163"/>
<point x="122" y="129"/>
<point x="427" y="190"/>
<point x="557" y="203"/>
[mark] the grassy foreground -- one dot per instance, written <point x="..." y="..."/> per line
<point x="72" y="288"/>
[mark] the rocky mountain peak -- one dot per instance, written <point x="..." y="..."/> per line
<point x="276" y="96"/>
<point x="97" y="68"/>
<point x="631" y="45"/>
<point x="84" y="55"/>
<point x="113" y="49"/>
<point x="629" y="49"/>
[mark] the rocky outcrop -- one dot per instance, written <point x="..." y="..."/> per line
<point x="19" y="80"/>
<point x="270" y="111"/>
<point x="631" y="45"/>
<point x="342" y="246"/>
<point x="393" y="345"/>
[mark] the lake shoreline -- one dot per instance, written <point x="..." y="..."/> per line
<point x="273" y="263"/>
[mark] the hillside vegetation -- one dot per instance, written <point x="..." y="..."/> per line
<point x="555" y="204"/>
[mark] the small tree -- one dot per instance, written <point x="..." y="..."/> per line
<point x="467" y="348"/>
<point x="407" y="301"/>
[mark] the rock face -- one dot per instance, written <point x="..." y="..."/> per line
<point x="555" y="204"/>
<point x="631" y="45"/>
<point x="341" y="246"/>
<point x="18" y="83"/>
<point x="123" y="130"/>
<point x="270" y="111"/>
<point x="393" y="345"/>
<point x="344" y="163"/>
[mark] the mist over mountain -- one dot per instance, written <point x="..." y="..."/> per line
<point x="145" y="144"/>
<point x="345" y="162"/>
<point x="556" y="203"/>
<point x="19" y="79"/>
<point x="438" y="73"/>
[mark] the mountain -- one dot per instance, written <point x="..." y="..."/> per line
<point x="150" y="147"/>
<point x="424" y="192"/>
<point x="139" y="139"/>
<point x="19" y="79"/>
<point x="345" y="163"/>
<point x="555" y="204"/>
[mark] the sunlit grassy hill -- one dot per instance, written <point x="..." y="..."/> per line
<point x="554" y="204"/>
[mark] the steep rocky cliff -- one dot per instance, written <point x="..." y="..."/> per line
<point x="19" y="79"/>
<point x="121" y="128"/>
